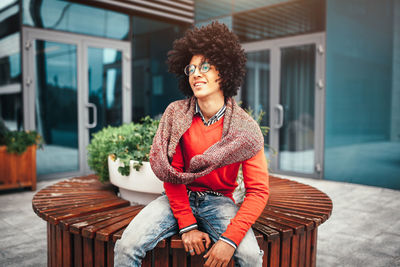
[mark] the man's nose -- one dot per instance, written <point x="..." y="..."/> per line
<point x="197" y="71"/>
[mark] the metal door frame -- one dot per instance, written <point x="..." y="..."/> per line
<point x="274" y="47"/>
<point x="82" y="42"/>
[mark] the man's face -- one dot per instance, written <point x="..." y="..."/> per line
<point x="204" y="85"/>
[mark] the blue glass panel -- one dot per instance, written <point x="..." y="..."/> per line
<point x="10" y="61"/>
<point x="255" y="89"/>
<point x="10" y="66"/>
<point x="297" y="94"/>
<point x="11" y="111"/>
<point x="105" y="86"/>
<point x="362" y="141"/>
<point x="153" y="86"/>
<point x="77" y="18"/>
<point x="56" y="106"/>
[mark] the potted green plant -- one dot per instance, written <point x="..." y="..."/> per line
<point x="18" y="157"/>
<point x="121" y="154"/>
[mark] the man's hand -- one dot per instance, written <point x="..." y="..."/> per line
<point x="193" y="241"/>
<point x="219" y="255"/>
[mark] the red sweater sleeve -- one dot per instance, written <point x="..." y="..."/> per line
<point x="256" y="181"/>
<point x="177" y="195"/>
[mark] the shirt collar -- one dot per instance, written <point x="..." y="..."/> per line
<point x="214" y="118"/>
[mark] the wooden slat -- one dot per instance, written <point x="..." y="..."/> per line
<point x="53" y="250"/>
<point x="197" y="260"/>
<point x="314" y="237"/>
<point x="78" y="250"/>
<point x="104" y="233"/>
<point x="110" y="225"/>
<point x="147" y="259"/>
<point x="179" y="258"/>
<point x="161" y="255"/>
<point x="275" y="251"/>
<point x="110" y="254"/>
<point x="88" y="252"/>
<point x="55" y="218"/>
<point x="67" y="248"/>
<point x="99" y="221"/>
<point x="65" y="224"/>
<point x="100" y="253"/>
<point x="49" y="245"/>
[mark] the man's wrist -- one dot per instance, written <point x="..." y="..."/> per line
<point x="227" y="240"/>
<point x="188" y="228"/>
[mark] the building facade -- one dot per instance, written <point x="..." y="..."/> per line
<point x="326" y="73"/>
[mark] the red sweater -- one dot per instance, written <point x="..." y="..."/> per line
<point x="196" y="140"/>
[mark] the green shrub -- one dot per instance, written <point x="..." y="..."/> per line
<point x="126" y="142"/>
<point x="18" y="141"/>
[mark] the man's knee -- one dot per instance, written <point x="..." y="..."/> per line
<point x="248" y="252"/>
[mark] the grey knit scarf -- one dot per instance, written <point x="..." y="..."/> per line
<point x="241" y="139"/>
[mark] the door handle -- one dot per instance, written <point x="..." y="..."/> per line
<point x="94" y="123"/>
<point x="279" y="120"/>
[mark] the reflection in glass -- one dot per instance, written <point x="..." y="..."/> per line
<point x="153" y="87"/>
<point x="255" y="89"/>
<point x="268" y="20"/>
<point x="56" y="106"/>
<point x="11" y="111"/>
<point x="363" y="92"/>
<point x="67" y="16"/>
<point x="105" y="86"/>
<point x="296" y="137"/>
<point x="10" y="66"/>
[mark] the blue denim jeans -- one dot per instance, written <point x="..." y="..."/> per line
<point x="156" y="222"/>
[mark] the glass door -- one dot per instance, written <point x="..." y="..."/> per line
<point x="296" y="109"/>
<point x="295" y="99"/>
<point x="56" y="106"/>
<point x="74" y="86"/>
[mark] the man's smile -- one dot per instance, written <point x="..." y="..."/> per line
<point x="198" y="84"/>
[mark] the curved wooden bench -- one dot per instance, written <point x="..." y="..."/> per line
<point x="85" y="218"/>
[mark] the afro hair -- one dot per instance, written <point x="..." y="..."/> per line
<point x="219" y="46"/>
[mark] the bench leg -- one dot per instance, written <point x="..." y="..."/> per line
<point x="67" y="248"/>
<point x="99" y="253"/>
<point x="161" y="256"/>
<point x="88" y="252"/>
<point x="314" y="237"/>
<point x="275" y="246"/>
<point x="78" y="250"/>
<point x="110" y="254"/>
<point x="147" y="260"/>
<point x="179" y="258"/>
<point x="294" y="260"/>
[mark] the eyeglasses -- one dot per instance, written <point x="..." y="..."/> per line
<point x="203" y="68"/>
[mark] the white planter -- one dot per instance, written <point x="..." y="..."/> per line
<point x="139" y="187"/>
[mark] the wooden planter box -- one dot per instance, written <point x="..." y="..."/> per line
<point x="18" y="171"/>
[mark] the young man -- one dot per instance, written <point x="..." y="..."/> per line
<point x="199" y="147"/>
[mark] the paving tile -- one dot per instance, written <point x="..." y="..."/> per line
<point x="388" y="243"/>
